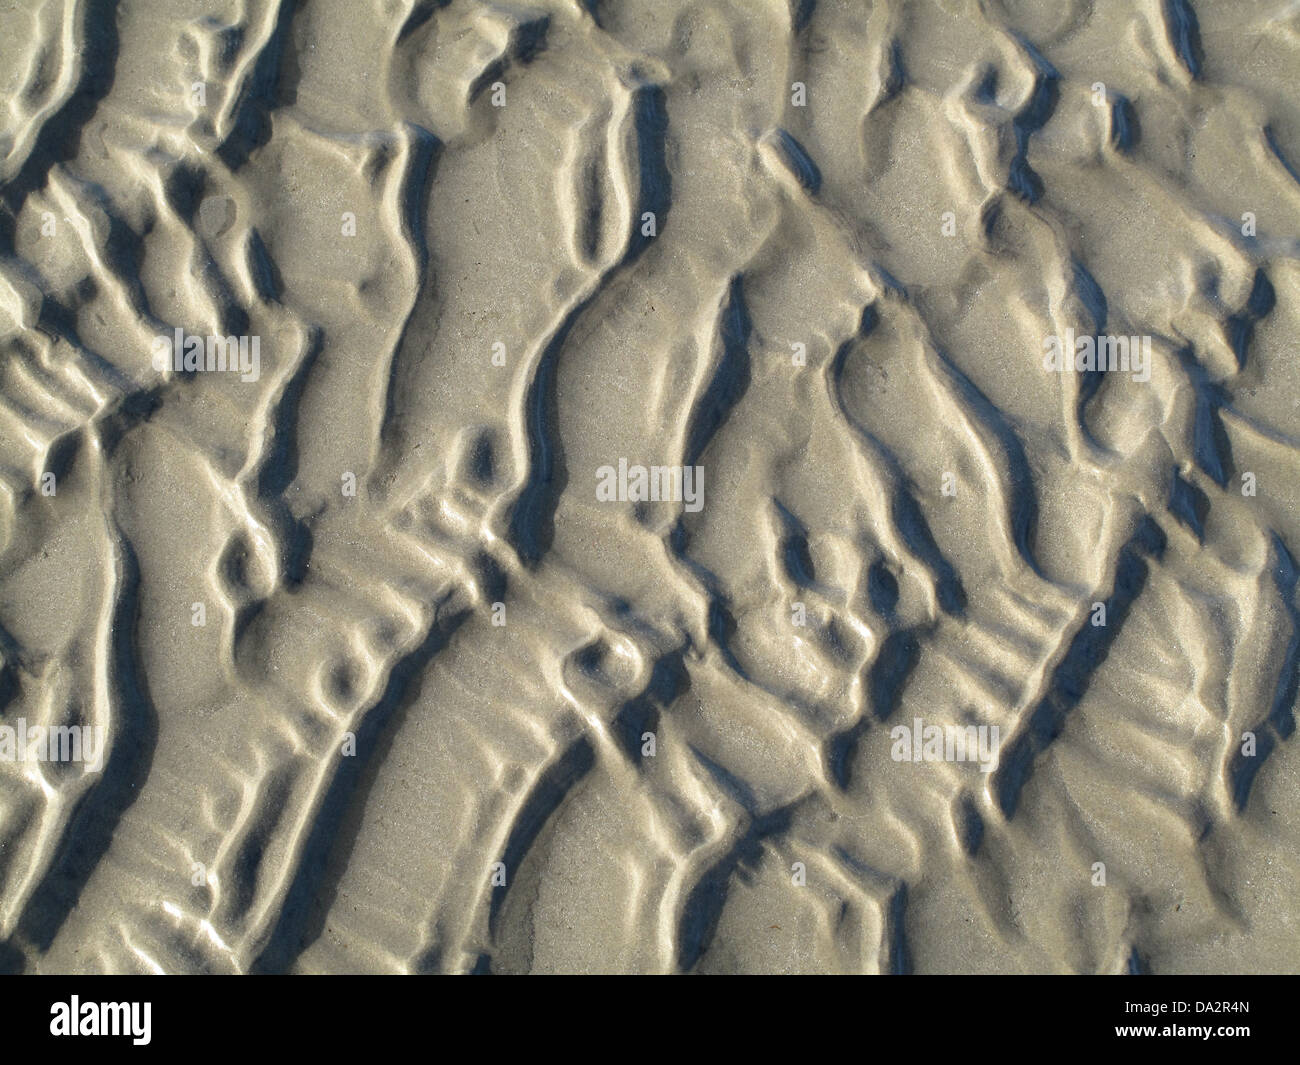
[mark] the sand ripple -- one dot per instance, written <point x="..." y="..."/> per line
<point x="446" y="710"/>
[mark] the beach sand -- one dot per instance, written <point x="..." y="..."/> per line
<point x="661" y="509"/>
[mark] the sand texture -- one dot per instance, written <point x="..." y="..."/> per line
<point x="638" y="441"/>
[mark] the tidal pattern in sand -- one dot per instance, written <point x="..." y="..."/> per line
<point x="384" y="683"/>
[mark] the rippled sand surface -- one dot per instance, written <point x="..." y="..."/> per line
<point x="385" y="681"/>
